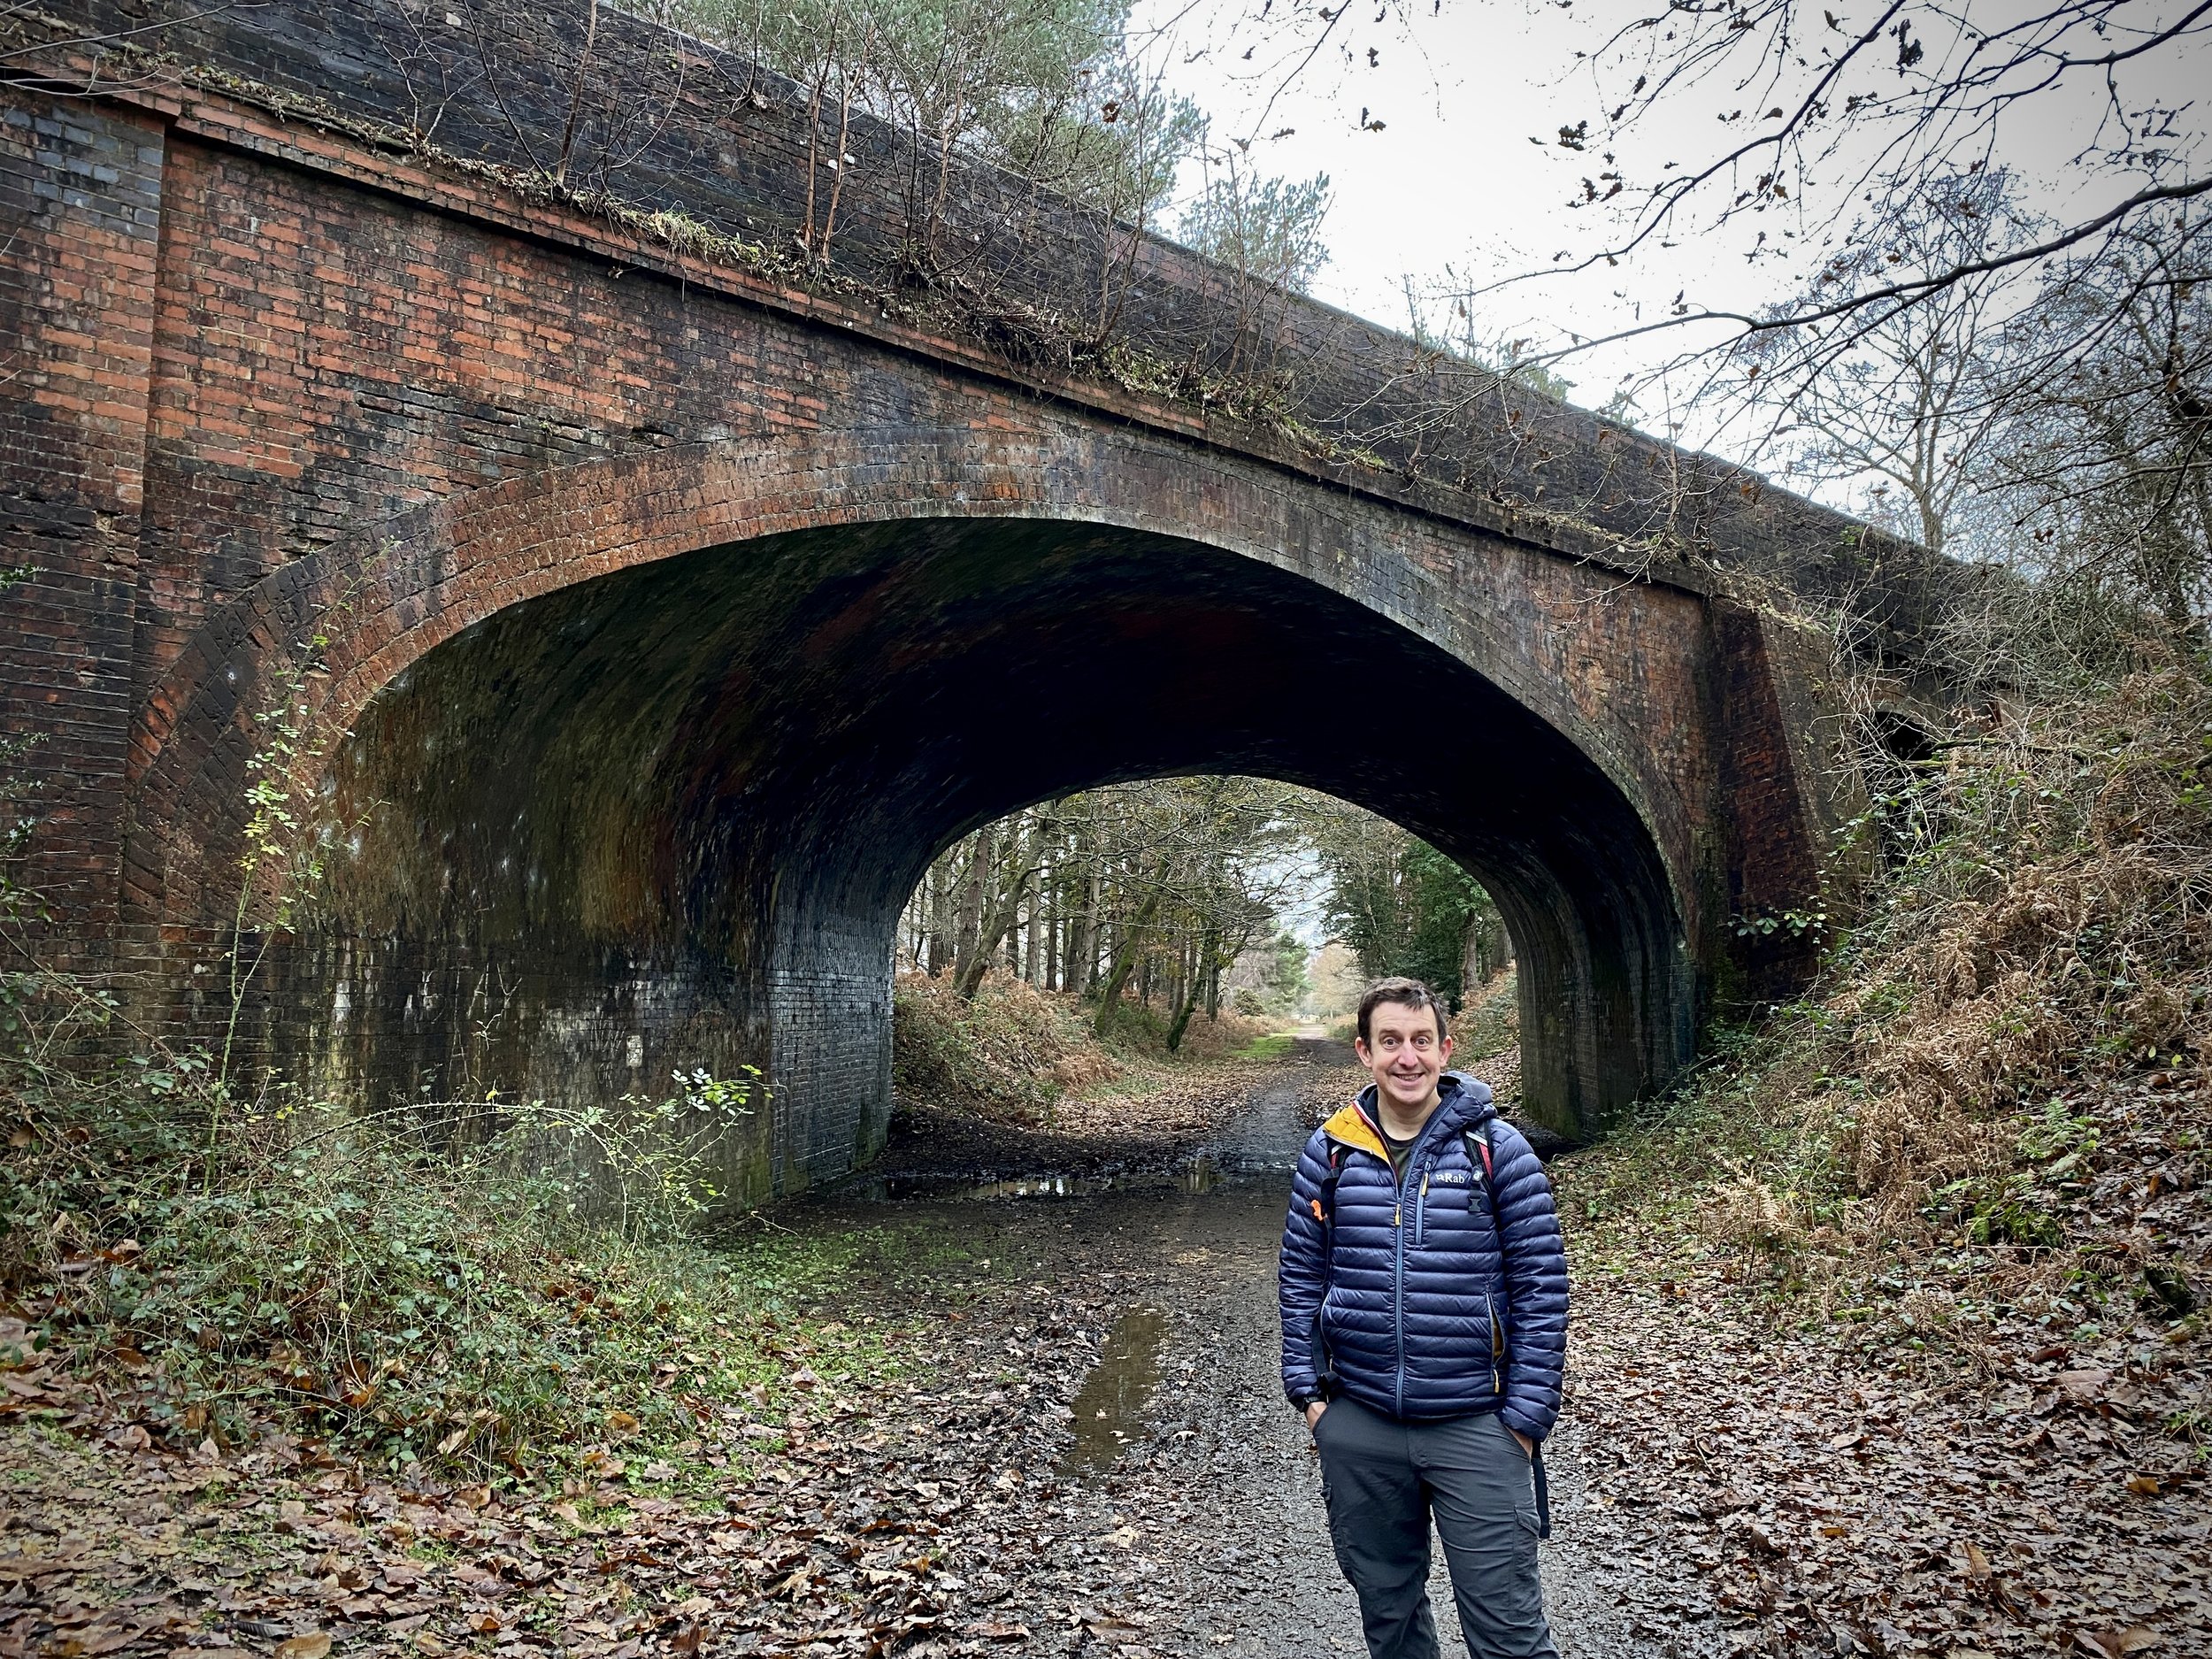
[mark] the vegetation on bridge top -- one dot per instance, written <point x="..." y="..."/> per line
<point x="990" y="200"/>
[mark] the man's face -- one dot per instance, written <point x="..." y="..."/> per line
<point x="1405" y="1053"/>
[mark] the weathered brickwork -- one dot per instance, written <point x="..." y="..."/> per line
<point x="80" y="198"/>
<point x="672" y="621"/>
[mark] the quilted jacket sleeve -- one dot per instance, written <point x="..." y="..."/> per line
<point x="1536" y="1285"/>
<point x="1302" y="1277"/>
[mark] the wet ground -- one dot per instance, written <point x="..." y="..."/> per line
<point x="1185" y="1513"/>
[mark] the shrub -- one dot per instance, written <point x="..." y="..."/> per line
<point x="2046" y="916"/>
<point x="411" y="1293"/>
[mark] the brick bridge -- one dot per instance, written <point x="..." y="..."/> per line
<point x="648" y="617"/>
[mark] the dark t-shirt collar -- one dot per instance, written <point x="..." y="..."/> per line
<point x="1399" y="1150"/>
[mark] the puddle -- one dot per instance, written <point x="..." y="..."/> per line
<point x="1110" y="1411"/>
<point x="1041" y="1187"/>
<point x="1202" y="1174"/>
<point x="878" y="1189"/>
<point x="1263" y="1145"/>
<point x="952" y="1189"/>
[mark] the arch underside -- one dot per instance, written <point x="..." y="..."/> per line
<point x="668" y="816"/>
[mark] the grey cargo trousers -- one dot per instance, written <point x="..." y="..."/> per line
<point x="1383" y="1479"/>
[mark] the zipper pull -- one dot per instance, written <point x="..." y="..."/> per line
<point x="1394" y="1214"/>
<point x="1425" y="1184"/>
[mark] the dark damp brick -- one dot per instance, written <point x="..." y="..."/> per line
<point x="674" y="630"/>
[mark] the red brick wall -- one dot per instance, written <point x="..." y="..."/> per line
<point x="80" y="201"/>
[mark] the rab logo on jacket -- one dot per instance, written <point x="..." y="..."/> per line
<point x="1450" y="1178"/>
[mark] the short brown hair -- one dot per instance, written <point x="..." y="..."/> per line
<point x="1410" y="993"/>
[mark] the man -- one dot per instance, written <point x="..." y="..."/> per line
<point x="1423" y="1292"/>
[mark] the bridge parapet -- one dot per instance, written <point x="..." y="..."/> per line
<point x="716" y="159"/>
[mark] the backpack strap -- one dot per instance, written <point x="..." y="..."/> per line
<point x="1478" y="1147"/>
<point x="1324" y="1201"/>
<point x="1478" y="1143"/>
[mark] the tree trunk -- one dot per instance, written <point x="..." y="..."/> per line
<point x="1487" y="950"/>
<point x="1083" y="934"/>
<point x="939" y="902"/>
<point x="975" y="894"/>
<point x="1181" y="1021"/>
<point x="1125" y="960"/>
<point x="1017" y="865"/>
<point x="1207" y="952"/>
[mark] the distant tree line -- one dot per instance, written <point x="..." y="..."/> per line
<point x="1151" y="890"/>
<point x="1403" y="908"/>
<point x="1144" y="897"/>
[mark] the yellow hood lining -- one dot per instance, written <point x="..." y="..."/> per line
<point x="1350" y="1127"/>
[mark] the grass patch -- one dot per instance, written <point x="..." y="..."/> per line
<point x="1274" y="1046"/>
<point x="360" y="1281"/>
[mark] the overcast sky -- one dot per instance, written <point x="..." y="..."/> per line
<point x="1451" y="182"/>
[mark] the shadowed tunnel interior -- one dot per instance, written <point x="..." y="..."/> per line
<point x="669" y="817"/>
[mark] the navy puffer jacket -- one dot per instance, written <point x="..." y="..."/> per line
<point x="1432" y="1311"/>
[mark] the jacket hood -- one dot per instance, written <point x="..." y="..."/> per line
<point x="1463" y="1102"/>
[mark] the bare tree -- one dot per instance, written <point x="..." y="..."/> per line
<point x="1824" y="114"/>
<point x="1914" y="400"/>
<point x="2103" y="460"/>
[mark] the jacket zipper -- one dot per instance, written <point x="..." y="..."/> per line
<point x="1421" y="1213"/>
<point x="1398" y="1262"/>
<point x="1398" y="1251"/>
<point x="1398" y="1300"/>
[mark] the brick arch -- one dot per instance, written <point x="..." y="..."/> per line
<point x="388" y="596"/>
<point x="1608" y="996"/>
